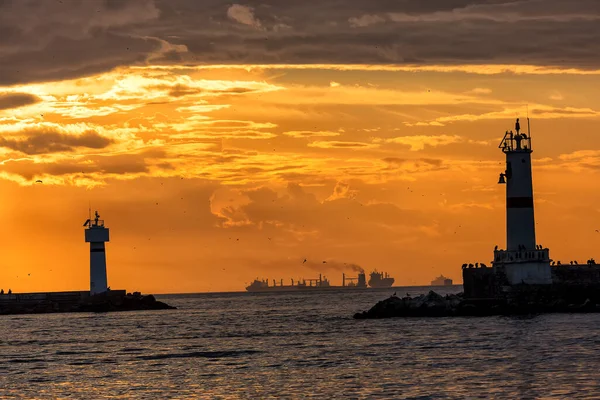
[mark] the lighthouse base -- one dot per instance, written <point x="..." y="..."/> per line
<point x="530" y="273"/>
<point x="497" y="281"/>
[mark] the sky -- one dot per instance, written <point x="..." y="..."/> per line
<point x="223" y="142"/>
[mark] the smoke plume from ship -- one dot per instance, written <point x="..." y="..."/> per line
<point x="333" y="265"/>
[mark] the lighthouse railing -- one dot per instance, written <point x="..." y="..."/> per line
<point x="512" y="142"/>
<point x="97" y="223"/>
<point x="512" y="256"/>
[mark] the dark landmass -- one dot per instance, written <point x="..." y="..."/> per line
<point x="65" y="302"/>
<point x="130" y="302"/>
<point x="520" y="303"/>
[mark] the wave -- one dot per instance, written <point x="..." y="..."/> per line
<point x="200" y="354"/>
<point x="26" y="360"/>
<point x="76" y="353"/>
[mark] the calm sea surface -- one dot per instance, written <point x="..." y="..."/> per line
<point x="296" y="345"/>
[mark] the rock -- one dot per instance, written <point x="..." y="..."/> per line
<point x="453" y="300"/>
<point x="148" y="298"/>
<point x="434" y="300"/>
<point x="430" y="305"/>
<point x="517" y="302"/>
<point x="129" y="302"/>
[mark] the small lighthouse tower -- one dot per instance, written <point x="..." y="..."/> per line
<point x="96" y="235"/>
<point x="523" y="260"/>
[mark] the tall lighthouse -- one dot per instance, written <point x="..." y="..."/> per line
<point x="520" y="220"/>
<point x="523" y="260"/>
<point x="96" y="235"/>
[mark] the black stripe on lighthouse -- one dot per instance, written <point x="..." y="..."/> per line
<point x="519" y="202"/>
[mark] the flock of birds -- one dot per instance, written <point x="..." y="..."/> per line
<point x="324" y="262"/>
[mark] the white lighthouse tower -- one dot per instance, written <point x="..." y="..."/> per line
<point x="523" y="260"/>
<point x="96" y="235"/>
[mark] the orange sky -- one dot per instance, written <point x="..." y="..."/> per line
<point x="212" y="175"/>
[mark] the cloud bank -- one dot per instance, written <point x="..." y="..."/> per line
<point x="58" y="40"/>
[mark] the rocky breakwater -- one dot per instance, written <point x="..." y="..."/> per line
<point x="129" y="302"/>
<point x="65" y="302"/>
<point x="430" y="305"/>
<point x="435" y="305"/>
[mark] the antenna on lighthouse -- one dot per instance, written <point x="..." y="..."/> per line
<point x="528" y="126"/>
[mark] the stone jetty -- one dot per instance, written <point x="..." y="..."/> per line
<point x="529" y="301"/>
<point x="82" y="301"/>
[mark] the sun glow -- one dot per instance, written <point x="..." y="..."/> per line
<point x="360" y="163"/>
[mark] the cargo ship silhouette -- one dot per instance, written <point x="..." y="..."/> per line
<point x="380" y="279"/>
<point x="377" y="280"/>
<point x="441" y="281"/>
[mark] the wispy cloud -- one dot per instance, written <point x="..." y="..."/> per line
<point x="475" y="69"/>
<point x="419" y="142"/>
<point x="538" y="111"/>
<point x="309" y="134"/>
<point x="342" y="145"/>
<point x="365" y="20"/>
<point x="342" y="190"/>
<point x="244" y="15"/>
<point x="480" y="91"/>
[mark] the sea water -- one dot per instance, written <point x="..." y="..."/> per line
<point x="296" y="345"/>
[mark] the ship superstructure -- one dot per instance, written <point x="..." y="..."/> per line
<point x="380" y="279"/>
<point x="441" y="281"/>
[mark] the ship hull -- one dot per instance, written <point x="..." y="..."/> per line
<point x="447" y="282"/>
<point x="384" y="283"/>
<point x="302" y="288"/>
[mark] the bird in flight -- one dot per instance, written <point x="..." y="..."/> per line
<point x="304" y="261"/>
<point x="38" y="181"/>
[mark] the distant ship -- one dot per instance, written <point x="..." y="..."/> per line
<point x="380" y="280"/>
<point x="441" y="281"/>
<point x="320" y="283"/>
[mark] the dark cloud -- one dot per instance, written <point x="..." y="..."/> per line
<point x="55" y="40"/>
<point x="15" y="100"/>
<point x="64" y="58"/>
<point x="50" y="141"/>
<point x="180" y="90"/>
<point x="85" y="167"/>
<point x="544" y="32"/>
